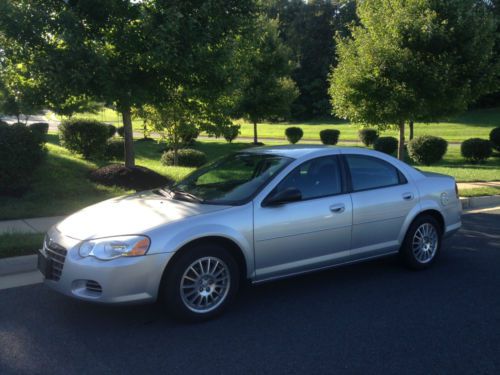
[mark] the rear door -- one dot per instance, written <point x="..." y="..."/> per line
<point x="382" y="198"/>
<point x="306" y="234"/>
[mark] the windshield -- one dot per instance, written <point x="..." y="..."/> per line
<point x="230" y="180"/>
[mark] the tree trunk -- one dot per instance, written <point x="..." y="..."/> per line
<point x="401" y="146"/>
<point x="411" y="130"/>
<point x="129" y="138"/>
<point x="255" y="133"/>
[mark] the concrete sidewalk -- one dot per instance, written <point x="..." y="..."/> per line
<point x="34" y="225"/>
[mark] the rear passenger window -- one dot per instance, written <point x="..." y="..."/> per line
<point x="368" y="172"/>
<point x="316" y="178"/>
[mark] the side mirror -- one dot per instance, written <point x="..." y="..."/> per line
<point x="285" y="196"/>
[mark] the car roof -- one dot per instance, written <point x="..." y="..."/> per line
<point x="292" y="151"/>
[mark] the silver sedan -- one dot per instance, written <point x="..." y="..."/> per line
<point x="256" y="215"/>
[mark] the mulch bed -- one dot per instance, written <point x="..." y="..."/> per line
<point x="136" y="178"/>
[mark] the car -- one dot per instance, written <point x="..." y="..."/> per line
<point x="256" y="215"/>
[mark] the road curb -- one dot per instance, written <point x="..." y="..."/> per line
<point x="469" y="203"/>
<point x="15" y="265"/>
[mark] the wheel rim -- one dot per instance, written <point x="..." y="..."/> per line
<point x="205" y="284"/>
<point x="425" y="243"/>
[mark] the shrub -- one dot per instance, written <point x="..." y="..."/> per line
<point x="86" y="137"/>
<point x="115" y="149"/>
<point x="476" y="150"/>
<point x="2" y="122"/>
<point x="495" y="138"/>
<point x="21" y="150"/>
<point x="231" y="132"/>
<point x="427" y="149"/>
<point x="40" y="129"/>
<point x="368" y="136"/>
<point x="111" y="130"/>
<point x="188" y="134"/>
<point x="186" y="157"/>
<point x="329" y="136"/>
<point x="121" y="131"/>
<point x="294" y="134"/>
<point x="388" y="145"/>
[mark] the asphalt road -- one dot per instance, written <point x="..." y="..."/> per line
<point x="369" y="318"/>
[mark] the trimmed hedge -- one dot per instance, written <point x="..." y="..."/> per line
<point x="387" y="145"/>
<point x="40" y="130"/>
<point x="86" y="137"/>
<point x="368" y="136"/>
<point x="186" y="157"/>
<point x="476" y="150"/>
<point x="427" y="149"/>
<point x="115" y="149"/>
<point x="112" y="130"/>
<point x="121" y="131"/>
<point x="294" y="134"/>
<point x="231" y="133"/>
<point x="329" y="136"/>
<point x="21" y="151"/>
<point x="41" y="127"/>
<point x="495" y="138"/>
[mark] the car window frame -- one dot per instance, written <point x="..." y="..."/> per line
<point x="241" y="202"/>
<point x="402" y="180"/>
<point x="343" y="180"/>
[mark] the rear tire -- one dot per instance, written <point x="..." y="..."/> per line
<point x="201" y="283"/>
<point x="422" y="243"/>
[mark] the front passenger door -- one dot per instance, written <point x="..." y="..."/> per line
<point x="307" y="234"/>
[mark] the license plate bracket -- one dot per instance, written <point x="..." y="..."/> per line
<point x="44" y="264"/>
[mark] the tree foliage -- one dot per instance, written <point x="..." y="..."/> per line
<point x="308" y="29"/>
<point x="125" y="53"/>
<point x="266" y="89"/>
<point x="413" y="60"/>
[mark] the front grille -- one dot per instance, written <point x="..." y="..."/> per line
<point x="93" y="286"/>
<point x="57" y="254"/>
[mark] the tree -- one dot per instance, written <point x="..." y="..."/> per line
<point x="19" y="94"/>
<point x="266" y="87"/>
<point x="184" y="114"/>
<point x="413" y="60"/>
<point x="125" y="53"/>
<point x="308" y="29"/>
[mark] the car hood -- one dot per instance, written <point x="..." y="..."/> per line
<point x="133" y="214"/>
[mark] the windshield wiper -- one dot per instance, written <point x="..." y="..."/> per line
<point x="185" y="195"/>
<point x="162" y="192"/>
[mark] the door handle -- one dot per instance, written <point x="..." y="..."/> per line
<point x="337" y="208"/>
<point x="407" y="196"/>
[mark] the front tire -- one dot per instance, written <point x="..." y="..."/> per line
<point x="422" y="243"/>
<point x="201" y="283"/>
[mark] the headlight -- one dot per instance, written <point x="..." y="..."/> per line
<point x="115" y="247"/>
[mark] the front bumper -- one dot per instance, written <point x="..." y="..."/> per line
<point x="122" y="280"/>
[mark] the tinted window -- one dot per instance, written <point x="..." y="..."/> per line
<point x="232" y="179"/>
<point x="315" y="178"/>
<point x="369" y="173"/>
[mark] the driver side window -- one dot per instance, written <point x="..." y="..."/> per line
<point x="315" y="178"/>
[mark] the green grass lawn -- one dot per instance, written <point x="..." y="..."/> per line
<point x="476" y="123"/>
<point x="471" y="124"/>
<point x="478" y="192"/>
<point x="16" y="244"/>
<point x="61" y="186"/>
